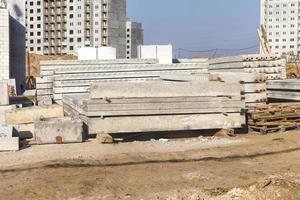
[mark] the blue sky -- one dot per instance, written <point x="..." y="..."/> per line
<point x="199" y="24"/>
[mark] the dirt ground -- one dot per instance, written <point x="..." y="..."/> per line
<point x="243" y="167"/>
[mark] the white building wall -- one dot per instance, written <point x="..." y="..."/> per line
<point x="4" y="44"/>
<point x="134" y="38"/>
<point x="280" y="19"/>
<point x="34" y="26"/>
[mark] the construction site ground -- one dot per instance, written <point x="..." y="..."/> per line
<point x="243" y="167"/>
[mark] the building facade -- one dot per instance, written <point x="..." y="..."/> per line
<point x="61" y="27"/>
<point x="4" y="43"/>
<point x="134" y="38"/>
<point x="280" y="20"/>
<point x="17" y="34"/>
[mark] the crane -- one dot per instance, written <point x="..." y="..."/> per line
<point x="263" y="40"/>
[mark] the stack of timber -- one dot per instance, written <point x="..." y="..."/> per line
<point x="254" y="84"/>
<point x="271" y="65"/>
<point x="274" y="117"/>
<point x="70" y="78"/>
<point x="158" y="106"/>
<point x="284" y="90"/>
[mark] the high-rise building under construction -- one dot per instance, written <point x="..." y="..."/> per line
<point x="280" y="21"/>
<point x="56" y="27"/>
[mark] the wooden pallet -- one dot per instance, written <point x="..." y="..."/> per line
<point x="265" y="129"/>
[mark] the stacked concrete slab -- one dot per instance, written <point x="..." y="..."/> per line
<point x="158" y="106"/>
<point x="75" y="77"/>
<point x="271" y="65"/>
<point x="254" y="84"/>
<point x="45" y="82"/>
<point x="286" y="90"/>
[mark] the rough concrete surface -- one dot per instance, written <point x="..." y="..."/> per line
<point x="68" y="129"/>
<point x="30" y="115"/>
<point x="245" y="167"/>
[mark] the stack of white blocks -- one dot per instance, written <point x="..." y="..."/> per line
<point x="163" y="53"/>
<point x="4" y="44"/>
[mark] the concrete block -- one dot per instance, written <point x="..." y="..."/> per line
<point x="161" y="52"/>
<point x="87" y="53"/>
<point x="104" y="53"/>
<point x="60" y="130"/>
<point x="3" y="110"/>
<point x="4" y="99"/>
<point x="32" y="114"/>
<point x="9" y="144"/>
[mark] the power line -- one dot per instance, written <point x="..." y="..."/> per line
<point x="216" y="49"/>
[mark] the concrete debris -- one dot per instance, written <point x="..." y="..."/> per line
<point x="7" y="141"/>
<point x="58" y="131"/>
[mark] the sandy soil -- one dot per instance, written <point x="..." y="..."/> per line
<point x="244" y="167"/>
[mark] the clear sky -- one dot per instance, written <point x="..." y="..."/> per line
<point x="199" y="24"/>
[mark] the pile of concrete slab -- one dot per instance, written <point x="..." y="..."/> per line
<point x="284" y="90"/>
<point x="254" y="84"/>
<point x="271" y="65"/>
<point x="44" y="83"/>
<point x="74" y="77"/>
<point x="158" y="106"/>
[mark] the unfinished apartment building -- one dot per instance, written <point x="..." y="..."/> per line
<point x="4" y="42"/>
<point x="134" y="38"/>
<point x="280" y="20"/>
<point x="56" y="27"/>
